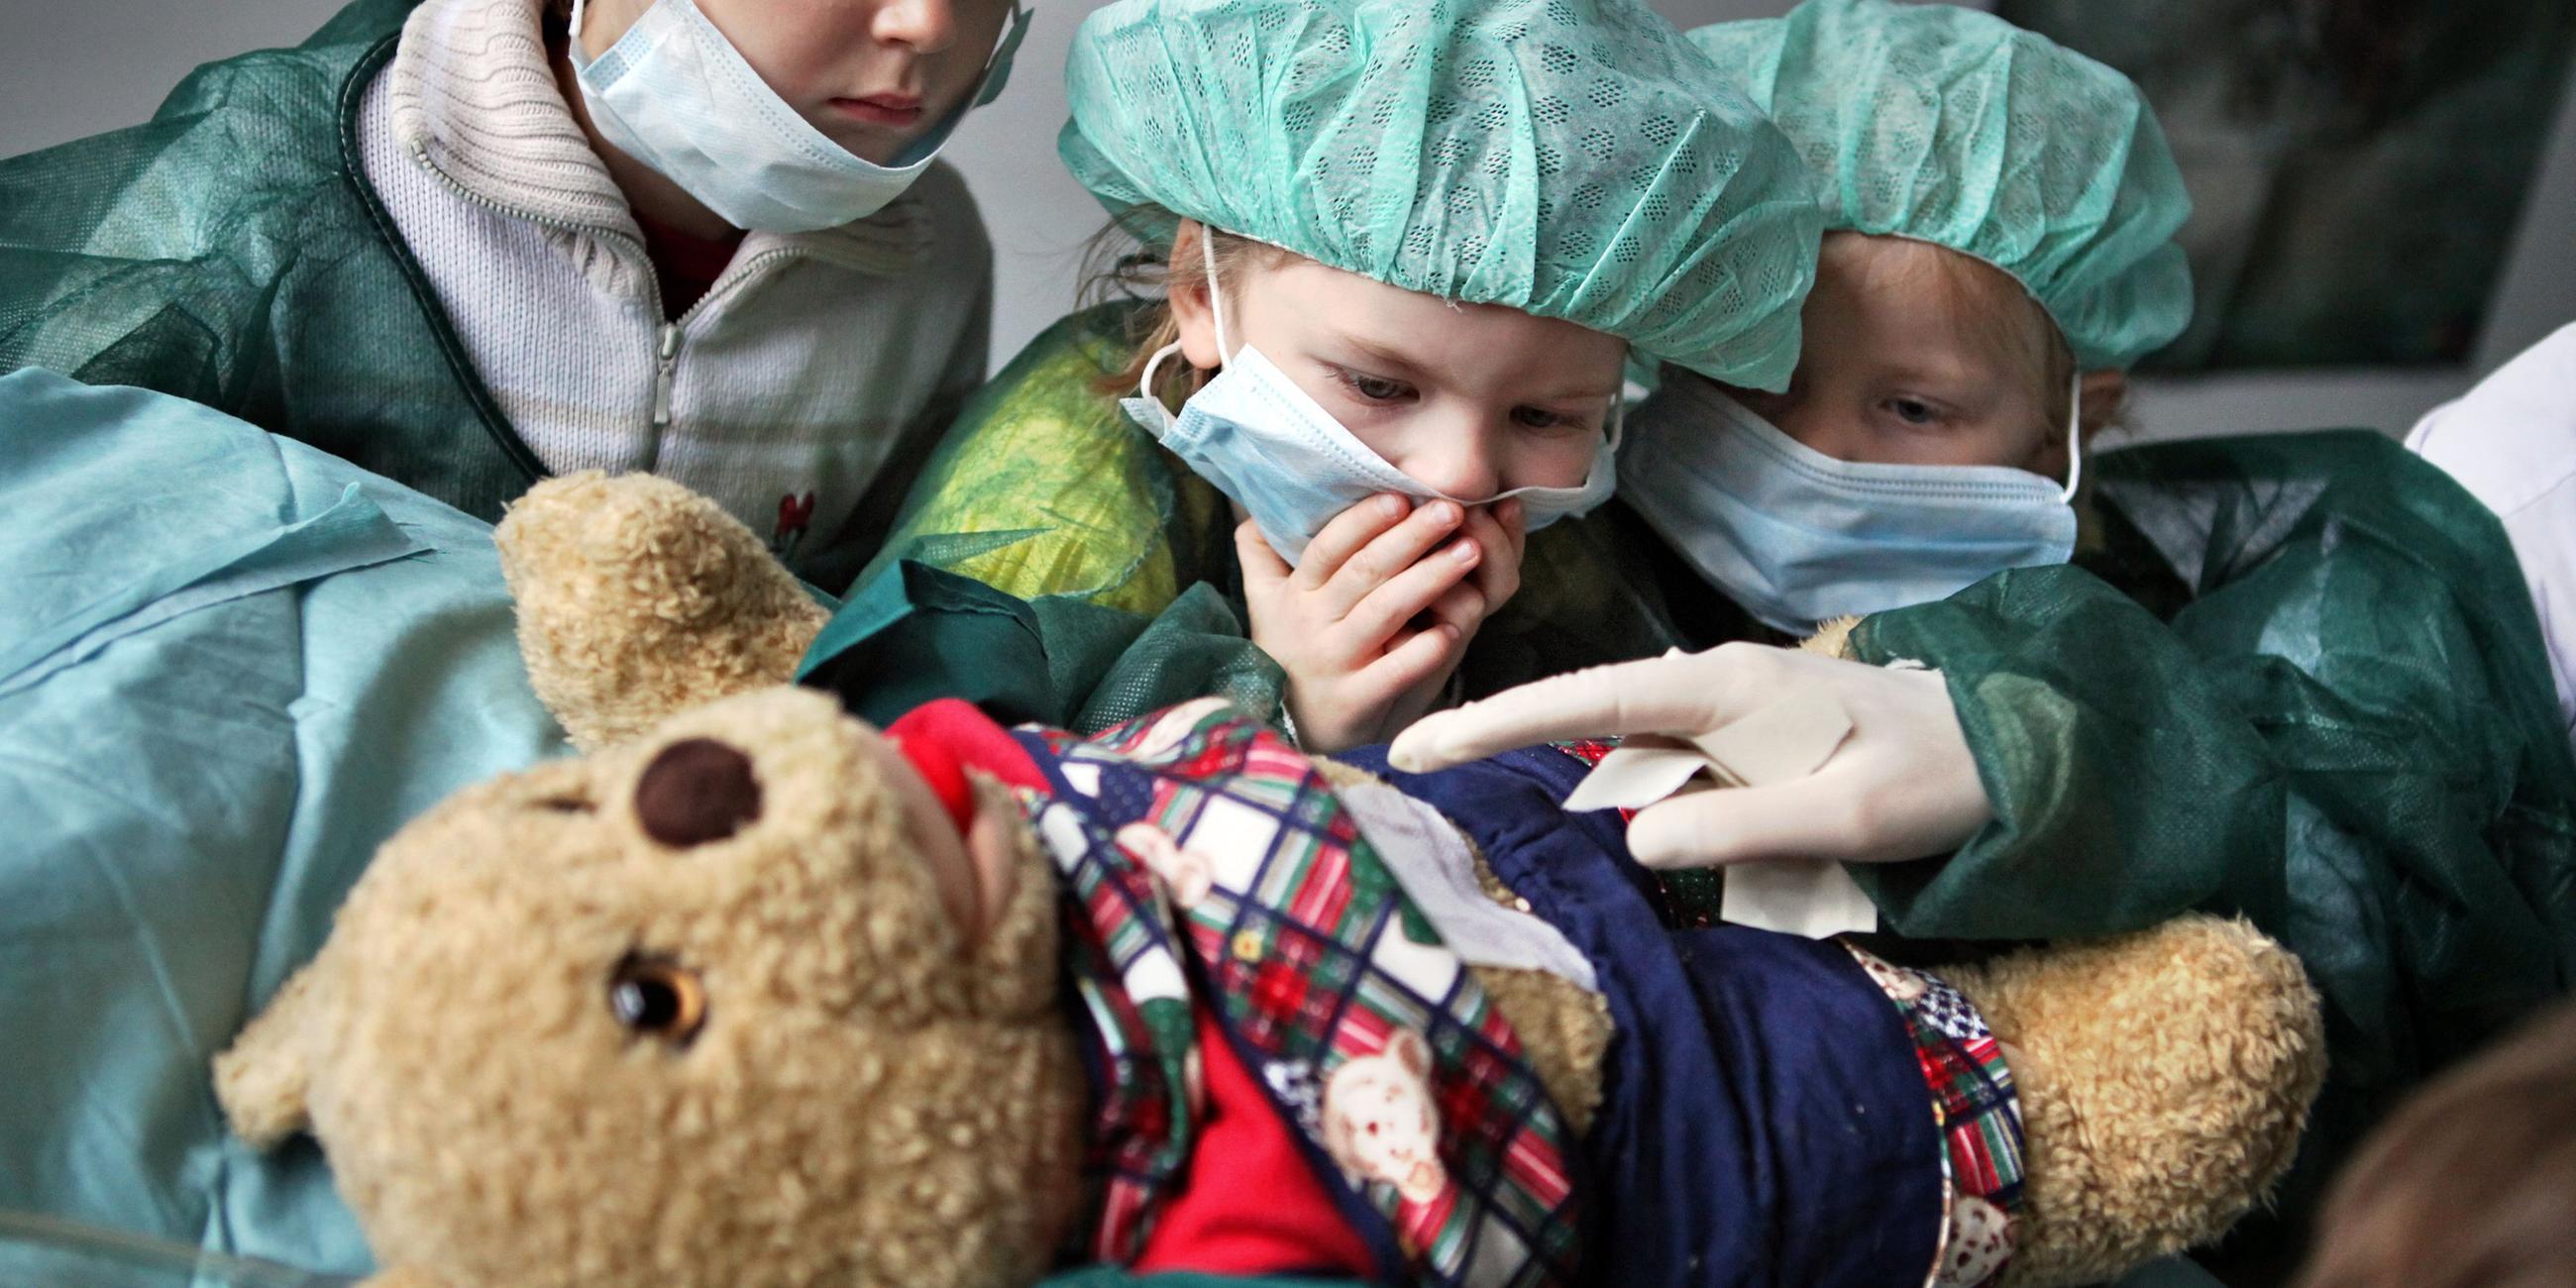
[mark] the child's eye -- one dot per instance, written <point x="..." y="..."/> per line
<point x="1913" y="411"/>
<point x="1372" y="388"/>
<point x="1545" y="421"/>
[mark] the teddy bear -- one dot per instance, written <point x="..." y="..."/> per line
<point x="753" y="992"/>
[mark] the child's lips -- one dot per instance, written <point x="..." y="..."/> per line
<point x="893" y="111"/>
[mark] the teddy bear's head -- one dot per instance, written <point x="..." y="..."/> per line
<point x="718" y="1006"/>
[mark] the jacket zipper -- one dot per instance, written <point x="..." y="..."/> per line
<point x="667" y="342"/>
<point x="666" y="360"/>
<point x="666" y="353"/>
<point x="666" y="348"/>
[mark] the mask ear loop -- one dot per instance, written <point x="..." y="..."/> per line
<point x="2074" y="435"/>
<point x="1216" y="298"/>
<point x="1216" y="306"/>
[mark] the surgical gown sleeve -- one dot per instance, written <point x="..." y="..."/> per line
<point x="2298" y="678"/>
<point x="229" y="251"/>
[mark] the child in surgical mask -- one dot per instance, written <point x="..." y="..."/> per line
<point x="481" y="241"/>
<point x="1399" y="283"/>
<point x="1385" y="454"/>
<point x="1995" y="264"/>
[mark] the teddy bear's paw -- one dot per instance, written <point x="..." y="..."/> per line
<point x="262" y="1079"/>
<point x="2164" y="1077"/>
<point x="638" y="598"/>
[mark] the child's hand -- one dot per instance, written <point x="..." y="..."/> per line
<point x="1374" y="618"/>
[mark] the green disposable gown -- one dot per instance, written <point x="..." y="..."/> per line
<point x="2294" y="676"/>
<point x="231" y="252"/>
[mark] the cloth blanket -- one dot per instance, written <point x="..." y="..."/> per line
<point x="230" y="666"/>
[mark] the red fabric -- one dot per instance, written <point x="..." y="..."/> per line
<point x="945" y="738"/>
<point x="1249" y="1203"/>
<point x="687" y="265"/>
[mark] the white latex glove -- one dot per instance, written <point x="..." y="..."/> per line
<point x="1904" y="786"/>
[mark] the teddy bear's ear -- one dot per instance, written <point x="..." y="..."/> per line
<point x="638" y="598"/>
<point x="261" y="1080"/>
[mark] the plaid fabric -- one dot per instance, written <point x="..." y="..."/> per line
<point x="1980" y="1117"/>
<point x="1200" y="848"/>
<point x="1685" y="898"/>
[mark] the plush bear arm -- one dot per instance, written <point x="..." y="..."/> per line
<point x="2164" y="1079"/>
<point x="639" y="599"/>
<point x="261" y="1079"/>
<point x="1832" y="639"/>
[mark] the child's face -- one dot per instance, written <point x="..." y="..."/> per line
<point x="872" y="75"/>
<point x="1911" y="358"/>
<point x="1467" y="399"/>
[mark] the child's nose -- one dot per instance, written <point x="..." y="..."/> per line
<point x="1461" y="464"/>
<point x="928" y="26"/>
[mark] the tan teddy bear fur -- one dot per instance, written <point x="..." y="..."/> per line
<point x="868" y="1099"/>
<point x="650" y="601"/>
<point x="864" y="1098"/>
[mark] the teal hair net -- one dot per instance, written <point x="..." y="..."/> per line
<point x="1961" y="129"/>
<point x="1572" y="158"/>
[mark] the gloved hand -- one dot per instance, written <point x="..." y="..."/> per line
<point x="1903" y="786"/>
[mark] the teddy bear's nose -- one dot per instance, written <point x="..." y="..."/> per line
<point x="697" y="790"/>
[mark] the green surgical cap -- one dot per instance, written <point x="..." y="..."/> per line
<point x="1572" y="158"/>
<point x="1961" y="129"/>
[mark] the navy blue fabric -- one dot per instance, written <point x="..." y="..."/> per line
<point x="1763" y="1120"/>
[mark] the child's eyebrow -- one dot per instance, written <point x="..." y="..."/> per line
<point x="1956" y="375"/>
<point x="1381" y="356"/>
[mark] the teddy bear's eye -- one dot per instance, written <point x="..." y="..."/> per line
<point x="657" y="997"/>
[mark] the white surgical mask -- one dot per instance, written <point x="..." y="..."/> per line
<point x="1798" y="537"/>
<point x="674" y="94"/>
<point x="1272" y="449"/>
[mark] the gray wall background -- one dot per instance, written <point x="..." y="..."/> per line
<point x="67" y="70"/>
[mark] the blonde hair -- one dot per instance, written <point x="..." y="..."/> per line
<point x="1118" y="266"/>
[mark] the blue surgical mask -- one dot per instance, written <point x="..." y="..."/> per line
<point x="1272" y="449"/>
<point x="674" y="94"/>
<point x="1798" y="537"/>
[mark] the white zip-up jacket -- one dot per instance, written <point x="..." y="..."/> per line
<point x="799" y="393"/>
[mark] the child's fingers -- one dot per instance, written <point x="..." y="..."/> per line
<point x="1396" y="550"/>
<point x="1463" y="606"/>
<point x="1514" y="518"/>
<point x="1498" y="574"/>
<point x="1415" y="660"/>
<point x="1263" y="569"/>
<point x="1345" y="534"/>
<point x="1385" y="611"/>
